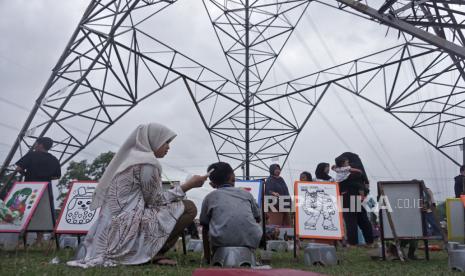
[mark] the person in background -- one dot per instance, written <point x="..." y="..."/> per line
<point x="343" y="169"/>
<point x="429" y="204"/>
<point x="39" y="164"/>
<point x="192" y="231"/>
<point x="275" y="186"/>
<point x="322" y="173"/>
<point x="306" y="176"/>
<point x="350" y="190"/>
<point x="459" y="182"/>
<point x="230" y="217"/>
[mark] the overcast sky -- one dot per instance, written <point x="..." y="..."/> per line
<point x="34" y="34"/>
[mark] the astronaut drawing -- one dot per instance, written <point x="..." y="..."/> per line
<point x="78" y="210"/>
<point x="319" y="204"/>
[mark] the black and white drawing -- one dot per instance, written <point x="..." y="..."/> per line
<point x="76" y="216"/>
<point x="78" y="210"/>
<point x="318" y="211"/>
<point x="320" y="208"/>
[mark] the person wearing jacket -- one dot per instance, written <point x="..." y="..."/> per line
<point x="276" y="187"/>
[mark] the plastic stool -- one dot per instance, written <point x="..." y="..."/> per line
<point x="9" y="241"/>
<point x="195" y="245"/>
<point x="456" y="256"/>
<point x="69" y="242"/>
<point x="234" y="257"/>
<point x="276" y="245"/>
<point x="316" y="253"/>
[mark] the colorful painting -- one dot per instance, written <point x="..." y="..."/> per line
<point x="318" y="211"/>
<point x="76" y="216"/>
<point x="252" y="186"/>
<point x="19" y="205"/>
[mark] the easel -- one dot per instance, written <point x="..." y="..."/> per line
<point x="393" y="230"/>
<point x="37" y="224"/>
<point x="397" y="239"/>
<point x="333" y="239"/>
<point x="42" y="218"/>
<point x="262" y="207"/>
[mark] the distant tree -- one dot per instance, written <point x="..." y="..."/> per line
<point x="84" y="171"/>
<point x="6" y="182"/>
<point x="97" y="168"/>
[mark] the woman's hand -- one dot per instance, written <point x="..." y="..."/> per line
<point x="195" y="181"/>
<point x="275" y="194"/>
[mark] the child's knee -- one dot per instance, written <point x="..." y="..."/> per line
<point x="189" y="208"/>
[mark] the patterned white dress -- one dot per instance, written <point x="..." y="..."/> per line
<point x="135" y="221"/>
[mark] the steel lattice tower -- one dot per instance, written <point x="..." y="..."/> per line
<point x="111" y="60"/>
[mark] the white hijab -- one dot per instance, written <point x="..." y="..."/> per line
<point x="137" y="149"/>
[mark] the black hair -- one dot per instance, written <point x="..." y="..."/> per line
<point x="273" y="167"/>
<point x="307" y="175"/>
<point x="341" y="160"/>
<point x="46" y="142"/>
<point x="462" y="168"/>
<point x="221" y="174"/>
<point x="320" y="172"/>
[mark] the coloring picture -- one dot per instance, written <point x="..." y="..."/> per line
<point x="78" y="210"/>
<point x="252" y="186"/>
<point x="320" y="208"/>
<point x="318" y="214"/>
<point x="76" y="215"/>
<point x="17" y="209"/>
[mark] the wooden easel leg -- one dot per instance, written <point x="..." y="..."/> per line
<point x="57" y="241"/>
<point x="184" y="249"/>
<point x="295" y="238"/>
<point x="50" y="244"/>
<point x="426" y="249"/>
<point x="25" y="240"/>
<point x="383" y="249"/>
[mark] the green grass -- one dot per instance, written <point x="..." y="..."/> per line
<point x="355" y="261"/>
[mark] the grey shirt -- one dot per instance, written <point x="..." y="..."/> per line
<point x="231" y="215"/>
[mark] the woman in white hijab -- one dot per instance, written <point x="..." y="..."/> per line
<point x="138" y="221"/>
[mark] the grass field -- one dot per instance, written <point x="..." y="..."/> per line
<point x="355" y="261"/>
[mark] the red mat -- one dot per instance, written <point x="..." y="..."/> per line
<point x="251" y="272"/>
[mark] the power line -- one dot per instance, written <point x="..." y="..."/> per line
<point x="303" y="42"/>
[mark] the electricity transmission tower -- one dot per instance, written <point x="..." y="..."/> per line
<point x="112" y="63"/>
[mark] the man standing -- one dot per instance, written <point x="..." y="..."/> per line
<point x="459" y="182"/>
<point x="39" y="165"/>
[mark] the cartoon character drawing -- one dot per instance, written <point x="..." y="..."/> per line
<point x="6" y="215"/>
<point x="318" y="204"/>
<point x="17" y="202"/>
<point x="78" y="210"/>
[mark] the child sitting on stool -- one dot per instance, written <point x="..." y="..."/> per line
<point x="230" y="216"/>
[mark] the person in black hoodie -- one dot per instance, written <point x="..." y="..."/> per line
<point x="276" y="186"/>
<point x="349" y="190"/>
<point x="460" y="182"/>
